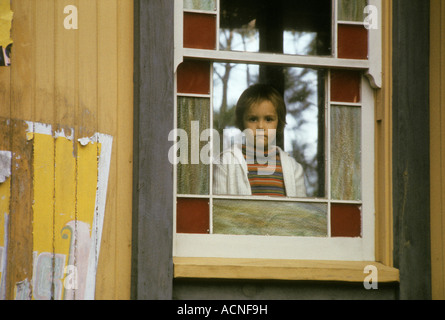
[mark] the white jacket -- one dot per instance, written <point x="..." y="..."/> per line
<point x="230" y="174"/>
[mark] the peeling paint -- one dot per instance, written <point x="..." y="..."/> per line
<point x="84" y="141"/>
<point x="61" y="134"/>
<point x="23" y="290"/>
<point x="74" y="186"/>
<point x="5" y="165"/>
<point x="69" y="181"/>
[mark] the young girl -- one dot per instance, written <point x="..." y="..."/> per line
<point x="259" y="166"/>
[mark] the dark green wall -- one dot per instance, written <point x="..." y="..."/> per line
<point x="411" y="147"/>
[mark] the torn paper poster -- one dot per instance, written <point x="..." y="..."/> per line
<point x="5" y="165"/>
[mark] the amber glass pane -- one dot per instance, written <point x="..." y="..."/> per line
<point x="345" y="153"/>
<point x="194" y="77"/>
<point x="345" y="86"/>
<point x="193" y="117"/>
<point x="351" y="10"/>
<point x="192" y="216"/>
<point x="253" y="217"/>
<point x="346" y="220"/>
<point x="352" y="42"/>
<point x="207" y="5"/>
<point x="199" y="30"/>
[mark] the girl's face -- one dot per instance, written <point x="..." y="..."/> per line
<point x="260" y="118"/>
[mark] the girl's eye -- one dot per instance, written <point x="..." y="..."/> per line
<point x="269" y="119"/>
<point x="252" y="119"/>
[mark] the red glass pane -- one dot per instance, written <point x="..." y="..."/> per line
<point x="199" y="31"/>
<point x="194" y="77"/>
<point x="352" y="42"/>
<point x="345" y="86"/>
<point x="192" y="216"/>
<point x="346" y="220"/>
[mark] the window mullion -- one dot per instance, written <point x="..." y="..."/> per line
<point x="328" y="150"/>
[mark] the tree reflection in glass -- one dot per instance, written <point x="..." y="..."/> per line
<point x="304" y="96"/>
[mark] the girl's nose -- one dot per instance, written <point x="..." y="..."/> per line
<point x="260" y="124"/>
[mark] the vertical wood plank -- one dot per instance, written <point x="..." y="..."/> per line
<point x="65" y="101"/>
<point x="42" y="209"/>
<point x="437" y="132"/>
<point x="65" y="68"/>
<point x="22" y="75"/>
<point x="20" y="243"/>
<point x="20" y="264"/>
<point x="64" y="207"/>
<point x="124" y="148"/>
<point x="5" y="92"/>
<point x="442" y="140"/>
<point x="107" y="123"/>
<point x="383" y="192"/>
<point x="44" y="113"/>
<point x="411" y="152"/>
<point x="44" y="56"/>
<point x="85" y="211"/>
<point x="154" y="175"/>
<point x="87" y="66"/>
<point x="5" y="196"/>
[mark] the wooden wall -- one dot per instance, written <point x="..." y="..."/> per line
<point x="64" y="85"/>
<point x="437" y="132"/>
<point x="410" y="147"/>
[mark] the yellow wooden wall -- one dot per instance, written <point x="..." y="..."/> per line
<point x="81" y="81"/>
<point x="437" y="147"/>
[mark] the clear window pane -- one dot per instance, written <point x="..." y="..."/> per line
<point x="283" y="26"/>
<point x="303" y="90"/>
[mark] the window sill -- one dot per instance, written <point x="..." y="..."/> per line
<point x="265" y="269"/>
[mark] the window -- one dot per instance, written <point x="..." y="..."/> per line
<point x="317" y="56"/>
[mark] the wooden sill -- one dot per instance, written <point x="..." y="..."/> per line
<point x="265" y="269"/>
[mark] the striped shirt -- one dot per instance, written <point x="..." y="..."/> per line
<point x="265" y="173"/>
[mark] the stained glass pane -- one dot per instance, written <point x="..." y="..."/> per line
<point x="194" y="77"/>
<point x="346" y="220"/>
<point x="192" y="172"/>
<point x="192" y="216"/>
<point x="253" y="217"/>
<point x="199" y="30"/>
<point x="351" y="10"/>
<point x="207" y="5"/>
<point x="345" y="153"/>
<point x="352" y="42"/>
<point x="345" y="86"/>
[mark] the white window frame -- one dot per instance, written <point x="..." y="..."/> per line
<point x="279" y="247"/>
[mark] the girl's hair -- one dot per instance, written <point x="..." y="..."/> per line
<point x="258" y="93"/>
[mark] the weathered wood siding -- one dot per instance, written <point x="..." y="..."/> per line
<point x="154" y="103"/>
<point x="64" y="85"/>
<point x="410" y="147"/>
